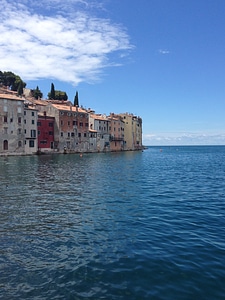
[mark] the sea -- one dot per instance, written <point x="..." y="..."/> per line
<point x="130" y="225"/>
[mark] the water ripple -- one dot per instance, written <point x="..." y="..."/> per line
<point x="136" y="225"/>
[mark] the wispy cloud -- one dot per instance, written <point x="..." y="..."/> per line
<point x="163" y="51"/>
<point x="184" y="139"/>
<point x="64" y="41"/>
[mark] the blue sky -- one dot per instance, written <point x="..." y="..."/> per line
<point x="160" y="59"/>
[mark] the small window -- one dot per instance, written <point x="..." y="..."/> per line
<point x="38" y="123"/>
<point x="72" y="133"/>
<point x="50" y="124"/>
<point x="68" y="134"/>
<point x="25" y="113"/>
<point x="33" y="133"/>
<point x="50" y="132"/>
<point x="61" y="133"/>
<point x="19" y="144"/>
<point x="31" y="143"/>
<point x="85" y="134"/>
<point x="5" y="119"/>
<point x="32" y="113"/>
<point x="5" y="145"/>
<point x="79" y="134"/>
<point x="81" y="124"/>
<point x="32" y="121"/>
<point x="19" y="120"/>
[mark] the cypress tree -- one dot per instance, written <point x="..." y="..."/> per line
<point x="76" y="101"/>
<point x="52" y="93"/>
<point x="20" y="88"/>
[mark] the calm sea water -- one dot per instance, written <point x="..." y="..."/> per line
<point x="135" y="225"/>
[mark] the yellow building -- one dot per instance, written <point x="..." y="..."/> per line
<point x="132" y="132"/>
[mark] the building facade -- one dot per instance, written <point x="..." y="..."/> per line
<point x="132" y="132"/>
<point x="12" y="135"/>
<point x="30" y="129"/>
<point x="100" y="125"/>
<point x="116" y="129"/>
<point x="45" y="127"/>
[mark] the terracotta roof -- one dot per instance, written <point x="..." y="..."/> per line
<point x="11" y="97"/>
<point x="37" y="102"/>
<point x="69" y="108"/>
<point x="99" y="117"/>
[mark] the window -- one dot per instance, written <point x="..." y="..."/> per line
<point x="5" y="119"/>
<point x="19" y="110"/>
<point x="25" y="131"/>
<point x="19" y="144"/>
<point x="68" y="134"/>
<point x="32" y="113"/>
<point x="31" y="143"/>
<point x="11" y="120"/>
<point x="79" y="134"/>
<point x="50" y="132"/>
<point x="25" y="121"/>
<point x="61" y="133"/>
<point x="25" y="113"/>
<point x="32" y="122"/>
<point x="5" y="145"/>
<point x="85" y="134"/>
<point x="19" y="120"/>
<point x="68" y="123"/>
<point x="72" y="133"/>
<point x="61" y="123"/>
<point x="33" y="133"/>
<point x="74" y="123"/>
<point x="81" y="124"/>
<point x="38" y="123"/>
<point x="50" y="124"/>
<point x="86" y="124"/>
<point x="39" y="132"/>
<point x="19" y="131"/>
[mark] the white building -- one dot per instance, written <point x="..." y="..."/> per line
<point x="30" y="129"/>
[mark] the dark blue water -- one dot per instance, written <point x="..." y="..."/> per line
<point x="135" y="225"/>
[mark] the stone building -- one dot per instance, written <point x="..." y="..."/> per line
<point x="132" y="132"/>
<point x="100" y="125"/>
<point x="30" y="129"/>
<point x="116" y="129"/>
<point x="12" y="135"/>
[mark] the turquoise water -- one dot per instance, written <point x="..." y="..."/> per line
<point x="135" y="225"/>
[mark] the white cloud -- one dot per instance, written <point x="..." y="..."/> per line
<point x="161" y="51"/>
<point x="162" y="139"/>
<point x="58" y="46"/>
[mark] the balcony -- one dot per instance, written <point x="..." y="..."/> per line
<point x="115" y="138"/>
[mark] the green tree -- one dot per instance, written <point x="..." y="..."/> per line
<point x="11" y="80"/>
<point x="51" y="95"/>
<point x="37" y="93"/>
<point x="59" y="95"/>
<point x="20" y="89"/>
<point x="76" y="100"/>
